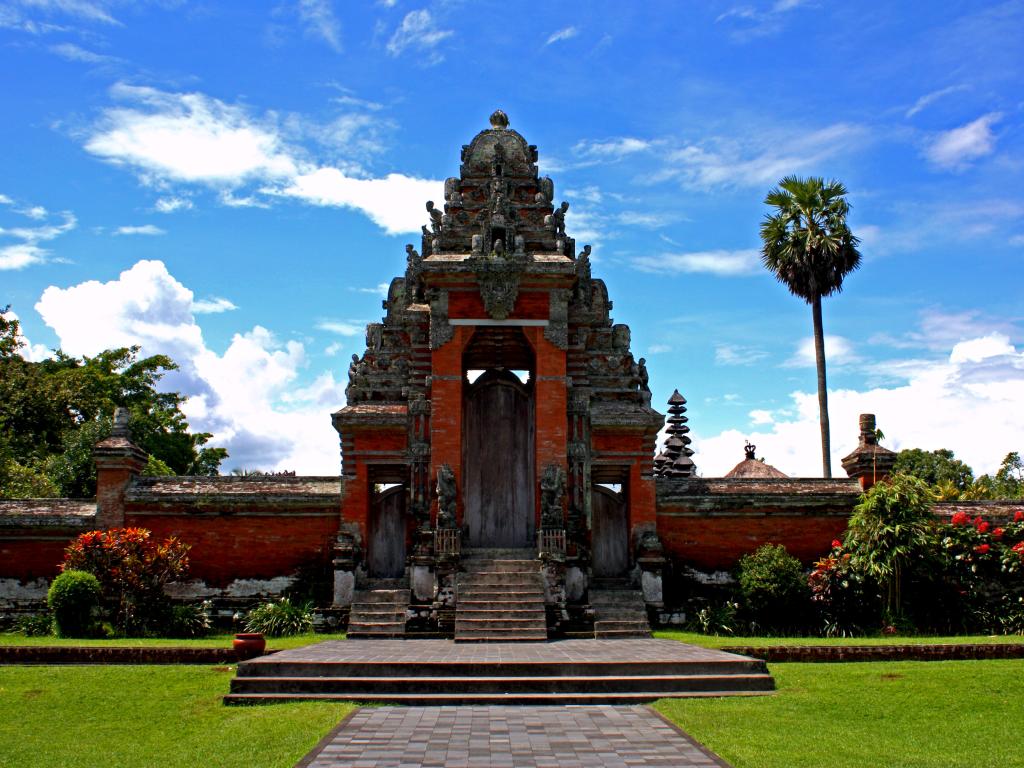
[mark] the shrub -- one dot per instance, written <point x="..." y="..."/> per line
<point x="717" y="619"/>
<point x="280" y="618"/>
<point x="846" y="601"/>
<point x="133" y="569"/>
<point x="188" y="621"/>
<point x="774" y="588"/>
<point x="74" y="598"/>
<point x="34" y="625"/>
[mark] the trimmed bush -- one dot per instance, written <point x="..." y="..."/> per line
<point x="34" y="625"/>
<point x="280" y="618"/>
<point x="74" y="598"/>
<point x="774" y="589"/>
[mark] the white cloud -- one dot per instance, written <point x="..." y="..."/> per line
<point x="5" y="200"/>
<point x="28" y="252"/>
<point x="611" y="148"/>
<point x="931" y="98"/>
<point x="760" y="417"/>
<point x="738" y="354"/>
<point x="838" y="351"/>
<point x="658" y="349"/>
<point x="89" y="10"/>
<point x="750" y="22"/>
<point x="320" y="21"/>
<point x="212" y="306"/>
<point x="968" y="402"/>
<point x="394" y="203"/>
<point x="955" y="149"/>
<point x="73" y="52"/>
<point x="333" y="348"/>
<point x="381" y="289"/>
<point x="1017" y="240"/>
<point x="757" y="160"/>
<point x="342" y="327"/>
<point x="29" y="351"/>
<point x="719" y="262"/>
<point x="418" y="31"/>
<point x="172" y="204"/>
<point x="246" y="396"/>
<point x="191" y="138"/>
<point x="140" y="229"/>
<point x="563" y="34"/>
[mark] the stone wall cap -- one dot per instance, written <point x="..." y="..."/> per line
<point x="47" y="513"/>
<point x="252" y="490"/>
<point x="745" y="486"/>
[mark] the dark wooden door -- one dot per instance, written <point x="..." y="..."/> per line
<point x="387" y="534"/>
<point x="497" y="484"/>
<point x="610" y="533"/>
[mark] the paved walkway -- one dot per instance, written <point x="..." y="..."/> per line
<point x="508" y="737"/>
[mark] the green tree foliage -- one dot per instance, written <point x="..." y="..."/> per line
<point x="774" y="588"/>
<point x="808" y="246"/>
<point x="936" y="468"/>
<point x="891" y="529"/>
<point x="74" y="599"/>
<point x="53" y="412"/>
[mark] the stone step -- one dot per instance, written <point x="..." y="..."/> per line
<point x="606" y="624"/>
<point x="502" y="566"/>
<point x="492" y="610"/>
<point x="440" y="699"/>
<point x="396" y="596"/>
<point x="505" y="686"/>
<point x="465" y="624"/>
<point x="481" y="553"/>
<point x="378" y="608"/>
<point x="624" y="613"/>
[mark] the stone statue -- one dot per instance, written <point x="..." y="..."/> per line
<point x="558" y="219"/>
<point x="446" y="497"/>
<point x="435" y="216"/>
<point x="547" y="189"/>
<point x="121" y="419"/>
<point x="552" y="492"/>
<point x="643" y="376"/>
<point x="499" y="249"/>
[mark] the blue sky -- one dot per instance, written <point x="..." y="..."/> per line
<point x="230" y="183"/>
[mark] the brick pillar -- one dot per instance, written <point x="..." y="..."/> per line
<point x="118" y="462"/>
<point x="446" y="410"/>
<point x="550" y="407"/>
<point x="869" y="462"/>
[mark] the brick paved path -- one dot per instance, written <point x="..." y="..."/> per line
<point x="508" y="737"/>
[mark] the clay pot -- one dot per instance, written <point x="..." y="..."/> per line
<point x="249" y="645"/>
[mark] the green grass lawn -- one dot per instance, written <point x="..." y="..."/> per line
<point x="213" y="641"/>
<point x="722" y="641"/>
<point x="121" y="717"/>
<point x="939" y="714"/>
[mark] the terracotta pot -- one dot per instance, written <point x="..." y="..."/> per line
<point x="249" y="645"/>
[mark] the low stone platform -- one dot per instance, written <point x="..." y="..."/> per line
<point x="414" y="671"/>
<point x="508" y="737"/>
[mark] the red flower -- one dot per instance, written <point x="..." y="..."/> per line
<point x="1018" y="516"/>
<point x="982" y="549"/>
<point x="1018" y="548"/>
<point x="837" y="544"/>
<point x="998" y="533"/>
<point x="983" y="527"/>
<point x="977" y="521"/>
<point x="960" y="518"/>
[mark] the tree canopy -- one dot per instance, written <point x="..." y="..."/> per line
<point x="952" y="479"/>
<point x="53" y="412"/>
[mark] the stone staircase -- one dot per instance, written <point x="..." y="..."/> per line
<point x="500" y="597"/>
<point x="619" y="611"/>
<point x="379" y="610"/>
<point x="438" y="672"/>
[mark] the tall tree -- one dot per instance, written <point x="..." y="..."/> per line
<point x="939" y="467"/>
<point x="808" y="246"/>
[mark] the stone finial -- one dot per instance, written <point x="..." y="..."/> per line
<point x="674" y="460"/>
<point x="499" y="120"/>
<point x="869" y="462"/>
<point x="121" y="423"/>
<point x="750" y="450"/>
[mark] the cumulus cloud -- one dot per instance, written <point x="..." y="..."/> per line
<point x="29" y="351"/>
<point x="719" y="262"/>
<point x="611" y="148"/>
<point x="28" y="251"/>
<point x="968" y="402"/>
<point x="563" y="34"/>
<point x="245" y="396"/>
<point x="419" y="32"/>
<point x="140" y="229"/>
<point x="957" y="148"/>
<point x="838" y="351"/>
<point x="342" y="327"/>
<point x="193" y="139"/>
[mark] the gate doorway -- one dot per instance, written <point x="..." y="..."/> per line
<point x="609" y="533"/>
<point x="386" y="555"/>
<point x="498" y="461"/>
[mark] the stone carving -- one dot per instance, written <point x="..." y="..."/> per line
<point x="446" y="492"/>
<point x="557" y="330"/>
<point x="584" y="285"/>
<point x="556" y="221"/>
<point x="435" y="216"/>
<point x="498" y="279"/>
<point x="644" y="378"/>
<point x="451" y="191"/>
<point x="441" y="331"/>
<point x="413" y="273"/>
<point x="552" y="495"/>
<point x="547" y="189"/>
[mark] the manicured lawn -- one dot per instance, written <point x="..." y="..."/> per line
<point x="942" y="714"/>
<point x="721" y="641"/>
<point x="213" y="641"/>
<point x="122" y="717"/>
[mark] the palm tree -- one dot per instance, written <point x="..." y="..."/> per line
<point x="808" y="246"/>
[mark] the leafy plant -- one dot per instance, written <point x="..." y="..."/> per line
<point x="774" y="587"/>
<point x="34" y="625"/>
<point x="133" y="570"/>
<point x="842" y="594"/>
<point x="190" y="620"/>
<point x="74" y="598"/>
<point x="280" y="618"/>
<point x="718" y="619"/>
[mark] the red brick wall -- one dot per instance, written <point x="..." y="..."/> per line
<point x="226" y="547"/>
<point x="27" y="558"/>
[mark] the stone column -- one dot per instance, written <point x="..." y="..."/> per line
<point x="118" y="462"/>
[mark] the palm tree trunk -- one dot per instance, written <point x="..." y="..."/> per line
<point x="819" y="356"/>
